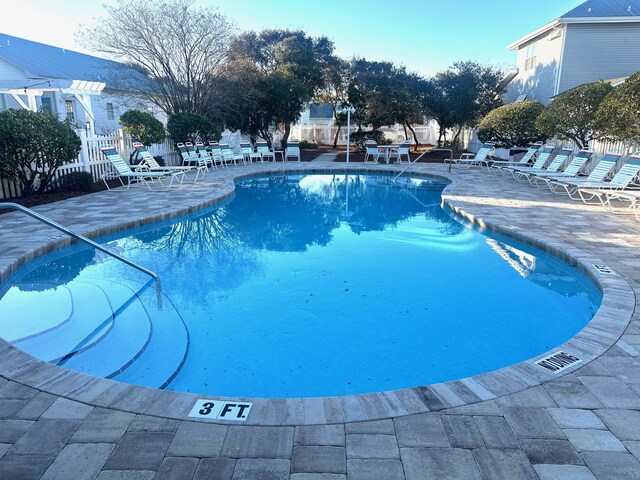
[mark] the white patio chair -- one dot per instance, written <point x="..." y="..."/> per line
<point x="371" y="151"/>
<point x="401" y="152"/>
<point x="292" y="151"/>
<point x="265" y="151"/>
<point x="249" y="154"/>
<point x="122" y="170"/>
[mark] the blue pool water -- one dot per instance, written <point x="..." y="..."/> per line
<point x="300" y="286"/>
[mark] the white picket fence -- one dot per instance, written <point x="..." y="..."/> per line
<point x="90" y="159"/>
<point x="325" y="134"/>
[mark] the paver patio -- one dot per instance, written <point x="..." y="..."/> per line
<point x="517" y="423"/>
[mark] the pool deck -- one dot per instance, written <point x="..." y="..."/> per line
<point x="520" y="422"/>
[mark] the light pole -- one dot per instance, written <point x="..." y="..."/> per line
<point x="349" y="110"/>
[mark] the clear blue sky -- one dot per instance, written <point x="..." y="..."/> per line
<point x="426" y="36"/>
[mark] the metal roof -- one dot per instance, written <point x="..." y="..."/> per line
<point x="604" y="8"/>
<point x="320" y="111"/>
<point x="591" y="11"/>
<point x="46" y="61"/>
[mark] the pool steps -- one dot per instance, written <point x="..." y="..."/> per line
<point x="17" y="324"/>
<point x="161" y="361"/>
<point x="87" y="303"/>
<point x="129" y="336"/>
<point x="81" y="332"/>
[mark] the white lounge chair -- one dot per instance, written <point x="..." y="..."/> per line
<point x="213" y="150"/>
<point x="617" y="188"/>
<point x="228" y="155"/>
<point x="202" y="152"/>
<point x="554" y="166"/>
<point x="122" y="170"/>
<point x="478" y="159"/>
<point x="292" y="151"/>
<point x="524" y="161"/>
<point x="189" y="157"/>
<point x="572" y="170"/>
<point x="150" y="164"/>
<point x="519" y="172"/>
<point x="597" y="176"/>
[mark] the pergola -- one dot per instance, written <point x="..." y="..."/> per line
<point x="25" y="92"/>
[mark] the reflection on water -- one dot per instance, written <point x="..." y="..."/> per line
<point x="536" y="270"/>
<point x="306" y="285"/>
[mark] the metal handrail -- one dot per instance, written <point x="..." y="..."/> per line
<point x="422" y="155"/>
<point x="97" y="246"/>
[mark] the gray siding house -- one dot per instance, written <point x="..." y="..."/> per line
<point x="597" y="40"/>
<point x="89" y="91"/>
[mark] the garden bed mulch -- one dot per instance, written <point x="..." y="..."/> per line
<point x="50" y="197"/>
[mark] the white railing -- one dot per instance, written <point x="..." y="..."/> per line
<point x="90" y="159"/>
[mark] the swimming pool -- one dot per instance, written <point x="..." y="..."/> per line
<point x="302" y="285"/>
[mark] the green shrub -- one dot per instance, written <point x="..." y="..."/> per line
<point x="570" y="116"/>
<point x="191" y="127"/>
<point x="143" y="127"/>
<point x="76" y="182"/>
<point x="33" y="145"/>
<point x="512" y="125"/>
<point x="618" y="116"/>
<point x="306" y="145"/>
<point x="358" y="138"/>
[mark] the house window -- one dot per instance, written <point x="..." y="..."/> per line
<point x="46" y="104"/>
<point x="530" y="57"/>
<point x="68" y="106"/>
<point x="110" y="115"/>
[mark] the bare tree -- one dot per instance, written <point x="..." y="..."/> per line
<point x="179" y="49"/>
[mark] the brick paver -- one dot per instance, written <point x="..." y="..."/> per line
<point x="515" y="424"/>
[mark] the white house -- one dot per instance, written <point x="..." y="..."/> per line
<point x="90" y="91"/>
<point x="597" y="40"/>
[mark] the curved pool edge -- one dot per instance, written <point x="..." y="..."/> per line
<point x="602" y="332"/>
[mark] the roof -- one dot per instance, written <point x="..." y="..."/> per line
<point x="46" y="61"/>
<point x="615" y="82"/>
<point x="320" y="111"/>
<point x="604" y="8"/>
<point x="591" y="11"/>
